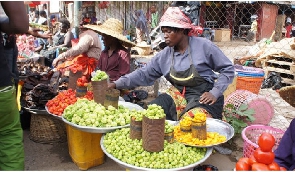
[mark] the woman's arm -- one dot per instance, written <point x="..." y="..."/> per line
<point x="35" y="33"/>
<point x="16" y="23"/>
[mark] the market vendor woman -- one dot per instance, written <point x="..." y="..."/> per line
<point x="188" y="63"/>
<point x="115" y="59"/>
<point x="83" y="56"/>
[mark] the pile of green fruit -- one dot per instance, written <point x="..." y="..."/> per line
<point x="137" y="115"/>
<point x="174" y="155"/>
<point x="155" y="112"/>
<point x="89" y="113"/>
<point x="168" y="127"/>
<point x="99" y="76"/>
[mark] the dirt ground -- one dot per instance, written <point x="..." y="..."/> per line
<point x="55" y="157"/>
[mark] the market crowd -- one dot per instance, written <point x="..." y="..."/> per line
<point x="189" y="63"/>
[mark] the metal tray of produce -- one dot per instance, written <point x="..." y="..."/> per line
<point x="57" y="116"/>
<point x="104" y="129"/>
<point x="135" y="168"/>
<point x="37" y="111"/>
<point x="219" y="126"/>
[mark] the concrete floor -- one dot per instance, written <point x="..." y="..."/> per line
<point x="55" y="157"/>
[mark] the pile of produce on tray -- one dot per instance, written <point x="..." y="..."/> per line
<point x="174" y="155"/>
<point x="64" y="98"/>
<point x="89" y="113"/>
<point x="25" y="46"/>
<point x="187" y="137"/>
<point x="30" y="83"/>
<point x="32" y="68"/>
<point x="38" y="26"/>
<point x="262" y="158"/>
<point x="39" y="96"/>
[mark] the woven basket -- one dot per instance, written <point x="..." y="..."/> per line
<point x="288" y="94"/>
<point x="251" y="134"/>
<point x="252" y="84"/>
<point x="264" y="110"/>
<point x="47" y="129"/>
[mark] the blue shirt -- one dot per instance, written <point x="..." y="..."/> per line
<point x="206" y="57"/>
<point x="285" y="153"/>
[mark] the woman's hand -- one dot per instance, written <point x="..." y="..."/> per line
<point x="111" y="85"/>
<point x="56" y="60"/>
<point x="207" y="98"/>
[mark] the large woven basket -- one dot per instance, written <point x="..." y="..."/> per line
<point x="288" y="94"/>
<point x="47" y="129"/>
<point x="264" y="110"/>
<point x="251" y="134"/>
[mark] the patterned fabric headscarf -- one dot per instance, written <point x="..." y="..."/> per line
<point x="173" y="17"/>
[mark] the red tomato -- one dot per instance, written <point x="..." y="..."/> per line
<point x="266" y="141"/>
<point x="242" y="166"/>
<point x="246" y="160"/>
<point x="274" y="166"/>
<point x="259" y="167"/>
<point x="252" y="159"/>
<point x="264" y="157"/>
<point x="283" y="169"/>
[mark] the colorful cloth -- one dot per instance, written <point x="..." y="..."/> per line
<point x="80" y="63"/>
<point x="155" y="20"/>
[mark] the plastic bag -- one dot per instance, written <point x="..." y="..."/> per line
<point x="273" y="81"/>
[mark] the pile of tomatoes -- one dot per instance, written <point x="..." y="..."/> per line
<point x="65" y="98"/>
<point x="82" y="82"/>
<point x="262" y="158"/>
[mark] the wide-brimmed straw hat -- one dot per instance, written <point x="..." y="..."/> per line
<point x="114" y="28"/>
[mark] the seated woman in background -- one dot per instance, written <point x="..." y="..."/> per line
<point x="115" y="58"/>
<point x="83" y="56"/>
<point x="60" y="40"/>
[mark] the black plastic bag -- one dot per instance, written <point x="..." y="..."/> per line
<point x="135" y="96"/>
<point x="273" y="81"/>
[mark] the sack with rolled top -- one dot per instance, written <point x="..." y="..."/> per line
<point x="99" y="82"/>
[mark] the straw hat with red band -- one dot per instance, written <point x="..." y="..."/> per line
<point x="112" y="27"/>
<point x="174" y="17"/>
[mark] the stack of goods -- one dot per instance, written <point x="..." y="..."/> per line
<point x="39" y="96"/>
<point x="31" y="68"/>
<point x="249" y="78"/>
<point x="32" y="81"/>
<point x="262" y="158"/>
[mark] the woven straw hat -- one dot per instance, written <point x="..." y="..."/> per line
<point x="143" y="44"/>
<point x="143" y="48"/>
<point x="114" y="28"/>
